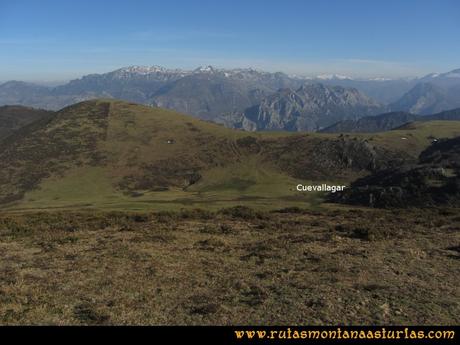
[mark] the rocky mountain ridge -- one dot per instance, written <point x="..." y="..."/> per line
<point x="309" y="108"/>
<point x="248" y="98"/>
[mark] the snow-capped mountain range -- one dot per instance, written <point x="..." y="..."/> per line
<point x="218" y="94"/>
<point x="135" y="70"/>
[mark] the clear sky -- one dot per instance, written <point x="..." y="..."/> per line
<point x="58" y="40"/>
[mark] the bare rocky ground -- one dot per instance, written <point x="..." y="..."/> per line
<point x="236" y="266"/>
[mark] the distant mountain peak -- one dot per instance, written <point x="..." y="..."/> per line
<point x="144" y="70"/>
<point x="333" y="77"/>
<point x="451" y="74"/>
<point x="230" y="72"/>
<point x="205" y="69"/>
<point x="380" y="79"/>
<point x="14" y="83"/>
<point x="424" y="98"/>
<point x="433" y="75"/>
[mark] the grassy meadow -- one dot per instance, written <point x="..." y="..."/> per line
<point x="234" y="266"/>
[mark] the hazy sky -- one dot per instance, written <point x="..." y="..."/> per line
<point x="57" y="40"/>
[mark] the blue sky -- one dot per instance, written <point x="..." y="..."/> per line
<point x="58" y="40"/>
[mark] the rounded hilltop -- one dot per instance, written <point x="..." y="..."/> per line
<point x="103" y="152"/>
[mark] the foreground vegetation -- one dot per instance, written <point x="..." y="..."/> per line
<point x="233" y="266"/>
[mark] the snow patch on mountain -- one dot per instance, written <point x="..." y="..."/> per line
<point x="333" y="76"/>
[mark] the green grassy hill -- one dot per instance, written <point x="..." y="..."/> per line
<point x="117" y="155"/>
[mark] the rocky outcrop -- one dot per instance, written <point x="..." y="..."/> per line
<point x="309" y="108"/>
<point x="435" y="180"/>
<point x="343" y="157"/>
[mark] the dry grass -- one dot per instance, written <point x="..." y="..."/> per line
<point x="232" y="267"/>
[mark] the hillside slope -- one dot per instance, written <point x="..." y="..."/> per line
<point x="129" y="141"/>
<point x="106" y="153"/>
<point x="388" y="121"/>
<point x="12" y="118"/>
